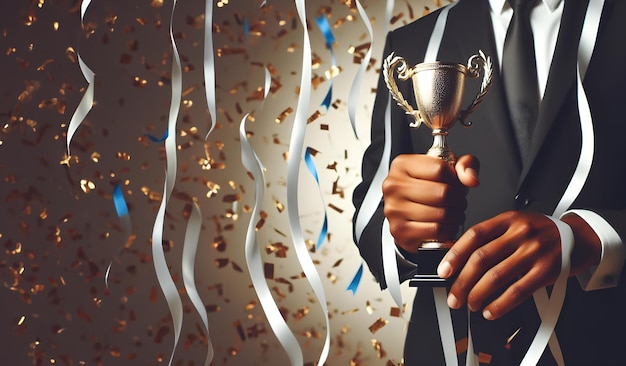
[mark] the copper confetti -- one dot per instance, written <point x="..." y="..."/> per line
<point x="377" y="325"/>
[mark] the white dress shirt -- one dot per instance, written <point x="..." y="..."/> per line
<point x="545" y="20"/>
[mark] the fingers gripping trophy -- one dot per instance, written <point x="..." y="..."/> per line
<point x="438" y="89"/>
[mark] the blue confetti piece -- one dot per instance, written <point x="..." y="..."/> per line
<point x="118" y="200"/>
<point x="320" y="239"/>
<point x="156" y="139"/>
<point x="328" y="99"/>
<point x="322" y="23"/>
<point x="354" y="284"/>
<point x="311" y="166"/>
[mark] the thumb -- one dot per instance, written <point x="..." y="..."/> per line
<point x="467" y="168"/>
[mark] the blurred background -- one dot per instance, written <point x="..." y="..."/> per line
<point x="59" y="227"/>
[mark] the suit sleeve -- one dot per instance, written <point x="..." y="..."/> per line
<point x="368" y="228"/>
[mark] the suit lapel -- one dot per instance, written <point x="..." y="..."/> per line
<point x="467" y="42"/>
<point x="562" y="75"/>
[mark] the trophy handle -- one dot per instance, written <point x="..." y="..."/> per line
<point x="474" y="64"/>
<point x="404" y="73"/>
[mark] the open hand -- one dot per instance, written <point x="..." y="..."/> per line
<point x="514" y="254"/>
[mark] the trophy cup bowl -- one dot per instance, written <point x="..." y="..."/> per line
<point x="438" y="90"/>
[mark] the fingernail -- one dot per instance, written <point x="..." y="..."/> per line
<point x="453" y="302"/>
<point x="487" y="314"/>
<point x="444" y="270"/>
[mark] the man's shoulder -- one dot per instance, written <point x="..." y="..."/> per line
<point x="425" y="23"/>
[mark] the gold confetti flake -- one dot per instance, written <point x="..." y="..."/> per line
<point x="95" y="156"/>
<point x="484" y="358"/>
<point x="377" y="325"/>
<point x="283" y="115"/>
<point x="301" y="313"/>
<point x="510" y="339"/>
<point x="279" y="206"/>
<point x="284" y="281"/>
<point x="139" y="82"/>
<point x="378" y="347"/>
<point x="44" y="64"/>
<point x="332" y="72"/>
<point x="87" y="185"/>
<point x="335" y="208"/>
<point x="268" y="269"/>
<point x="251" y="305"/>
<point x="123" y="155"/>
<point x="313" y="117"/>
<point x="278" y="249"/>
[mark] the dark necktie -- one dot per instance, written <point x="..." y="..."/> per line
<point x="519" y="73"/>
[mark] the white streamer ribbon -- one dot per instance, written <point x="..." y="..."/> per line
<point x="548" y="306"/>
<point x="293" y="168"/>
<point x="444" y="317"/>
<point x="353" y="96"/>
<point x="87" y="100"/>
<point x="164" y="277"/>
<point x="374" y="194"/>
<point x="254" y="261"/>
<point x="550" y="310"/>
<point x="209" y="65"/>
<point x="190" y="248"/>
<point x="585" y="50"/>
<point x="437" y="35"/>
<point x="446" y="331"/>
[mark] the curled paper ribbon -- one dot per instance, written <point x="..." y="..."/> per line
<point x="353" y="96"/>
<point x="87" y="100"/>
<point x="322" y="23"/>
<point x="209" y="66"/>
<point x="549" y="307"/>
<point x="157" y="139"/>
<point x="190" y="248"/>
<point x="444" y="317"/>
<point x="164" y="278"/>
<point x="374" y="196"/>
<point x="356" y="280"/>
<point x="311" y="167"/>
<point x="254" y="261"/>
<point x="293" y="168"/>
<point x="121" y="208"/>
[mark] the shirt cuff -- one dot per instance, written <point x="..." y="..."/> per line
<point x="607" y="273"/>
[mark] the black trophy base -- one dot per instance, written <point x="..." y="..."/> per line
<point x="427" y="261"/>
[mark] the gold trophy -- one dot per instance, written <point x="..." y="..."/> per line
<point x="438" y="89"/>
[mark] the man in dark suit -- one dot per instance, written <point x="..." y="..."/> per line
<point x="500" y="196"/>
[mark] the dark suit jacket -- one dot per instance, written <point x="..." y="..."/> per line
<point x="591" y="326"/>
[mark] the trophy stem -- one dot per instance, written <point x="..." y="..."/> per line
<point x="440" y="147"/>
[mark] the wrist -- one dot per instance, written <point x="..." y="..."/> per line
<point x="587" y="245"/>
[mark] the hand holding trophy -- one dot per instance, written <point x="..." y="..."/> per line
<point x="438" y="89"/>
